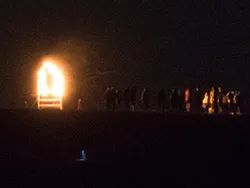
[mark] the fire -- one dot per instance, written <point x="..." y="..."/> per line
<point x="50" y="85"/>
<point x="50" y="80"/>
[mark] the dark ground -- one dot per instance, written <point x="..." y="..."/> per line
<point x="39" y="149"/>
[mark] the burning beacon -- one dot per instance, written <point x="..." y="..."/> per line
<point x="50" y="86"/>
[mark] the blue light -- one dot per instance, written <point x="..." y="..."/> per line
<point x="83" y="157"/>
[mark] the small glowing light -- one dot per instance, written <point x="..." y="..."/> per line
<point x="83" y="157"/>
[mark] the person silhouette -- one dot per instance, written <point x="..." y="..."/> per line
<point x="161" y="100"/>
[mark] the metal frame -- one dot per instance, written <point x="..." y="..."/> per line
<point x="49" y="102"/>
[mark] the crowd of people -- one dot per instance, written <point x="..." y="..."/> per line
<point x="212" y="101"/>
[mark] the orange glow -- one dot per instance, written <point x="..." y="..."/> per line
<point x="205" y="100"/>
<point x="50" y="80"/>
<point x="50" y="86"/>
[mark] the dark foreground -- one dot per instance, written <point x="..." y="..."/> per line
<point x="40" y="149"/>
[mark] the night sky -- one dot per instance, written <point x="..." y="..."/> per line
<point x="147" y="43"/>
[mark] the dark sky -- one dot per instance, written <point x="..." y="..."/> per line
<point x="150" y="43"/>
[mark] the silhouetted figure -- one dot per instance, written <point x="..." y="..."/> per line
<point x="113" y="98"/>
<point x="174" y="100"/>
<point x="215" y="102"/>
<point x="145" y="98"/>
<point x="187" y="100"/>
<point x="133" y="98"/>
<point x="230" y="96"/>
<point x="220" y="96"/>
<point x="118" y="98"/>
<point x="83" y="156"/>
<point x="225" y="103"/>
<point x="126" y="96"/>
<point x="243" y="103"/>
<point x="180" y="101"/>
<point x="247" y="102"/>
<point x="205" y="102"/>
<point x="238" y="103"/>
<point x="26" y="106"/>
<point x="162" y="100"/>
<point x="197" y="101"/>
<point x="80" y="104"/>
<point x="211" y="101"/>
<point x="108" y="98"/>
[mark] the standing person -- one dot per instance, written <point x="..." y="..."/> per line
<point x="26" y="105"/>
<point x="211" y="101"/>
<point x="220" y="100"/>
<point x="126" y="96"/>
<point x="230" y="96"/>
<point x="187" y="100"/>
<point x="113" y="98"/>
<point x="119" y="97"/>
<point x="225" y="103"/>
<point x="145" y="98"/>
<point x="80" y="104"/>
<point x="238" y="103"/>
<point x="174" y="100"/>
<point x="215" y="101"/>
<point x="162" y="100"/>
<point x="205" y="102"/>
<point x="197" y="102"/>
<point x="180" y="101"/>
<point x="133" y="98"/>
<point x="108" y="98"/>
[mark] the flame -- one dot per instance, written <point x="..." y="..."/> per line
<point x="50" y="80"/>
